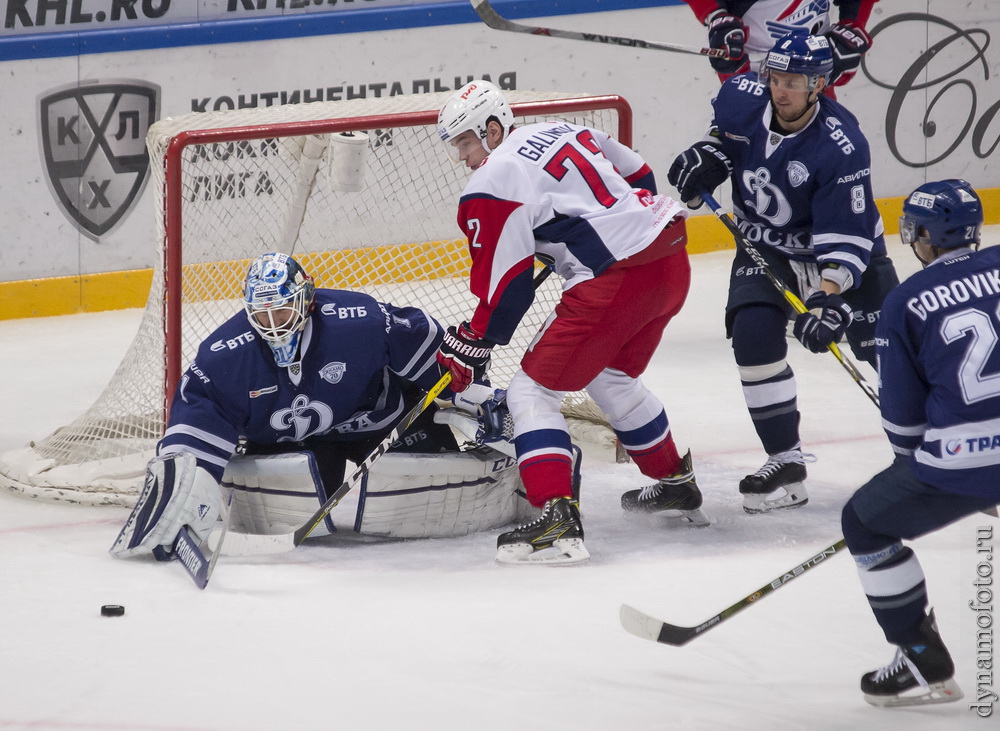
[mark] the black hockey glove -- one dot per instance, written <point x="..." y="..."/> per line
<point x="729" y="33"/>
<point x="701" y="167"/>
<point x="848" y="42"/>
<point x="817" y="332"/>
<point x="465" y="354"/>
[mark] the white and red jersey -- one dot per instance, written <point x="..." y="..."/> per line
<point x="565" y="194"/>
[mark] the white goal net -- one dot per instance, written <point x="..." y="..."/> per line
<point x="361" y="192"/>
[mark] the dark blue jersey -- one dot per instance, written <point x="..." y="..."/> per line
<point x="939" y="371"/>
<point x="808" y="194"/>
<point x="358" y="356"/>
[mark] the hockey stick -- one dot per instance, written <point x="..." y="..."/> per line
<point x="497" y="22"/>
<point x="191" y="555"/>
<point x="252" y="544"/>
<point x="647" y="627"/>
<point x="794" y="301"/>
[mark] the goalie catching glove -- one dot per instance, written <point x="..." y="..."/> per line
<point x="177" y="493"/>
<point x="818" y="331"/>
<point x="465" y="354"/>
<point x="701" y="167"/>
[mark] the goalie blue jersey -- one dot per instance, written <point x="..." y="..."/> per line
<point x="806" y="194"/>
<point x="939" y="372"/>
<point x="359" y="357"/>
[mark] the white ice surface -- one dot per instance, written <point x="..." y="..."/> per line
<point x="432" y="634"/>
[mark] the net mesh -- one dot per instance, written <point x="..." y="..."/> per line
<point x="361" y="192"/>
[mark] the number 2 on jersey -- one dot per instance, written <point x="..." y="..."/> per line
<point x="556" y="166"/>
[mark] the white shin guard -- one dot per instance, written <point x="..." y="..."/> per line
<point x="402" y="496"/>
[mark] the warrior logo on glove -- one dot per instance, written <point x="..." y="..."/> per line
<point x="465" y="354"/>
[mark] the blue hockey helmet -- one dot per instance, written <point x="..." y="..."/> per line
<point x="943" y="213"/>
<point x="278" y="296"/>
<point x="800" y="53"/>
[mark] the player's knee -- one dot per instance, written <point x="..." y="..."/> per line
<point x="527" y="399"/>
<point x="863" y="542"/>
<point x="759" y="335"/>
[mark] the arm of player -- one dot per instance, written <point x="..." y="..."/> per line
<point x="629" y="163"/>
<point x="198" y="424"/>
<point x="414" y="338"/>
<point x="903" y="392"/>
<point x="502" y="249"/>
<point x="849" y="41"/>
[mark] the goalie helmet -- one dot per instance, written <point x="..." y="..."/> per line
<point x="278" y="296"/>
<point x="944" y="213"/>
<point x="800" y="53"/>
<point x="470" y="108"/>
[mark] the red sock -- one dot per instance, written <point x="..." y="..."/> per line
<point x="546" y="477"/>
<point x="657" y="461"/>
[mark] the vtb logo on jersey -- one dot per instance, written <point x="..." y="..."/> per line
<point x="93" y="138"/>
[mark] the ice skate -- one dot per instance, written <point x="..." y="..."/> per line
<point x="554" y="537"/>
<point x="675" y="496"/>
<point x="778" y="484"/>
<point x="918" y="675"/>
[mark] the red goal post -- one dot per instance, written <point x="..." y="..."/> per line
<point x="361" y="191"/>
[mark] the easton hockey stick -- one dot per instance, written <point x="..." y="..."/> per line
<point x="497" y="22"/>
<point x="794" y="301"/>
<point x="647" y="627"/>
<point x="252" y="544"/>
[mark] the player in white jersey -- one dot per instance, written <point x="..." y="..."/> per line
<point x="800" y="169"/>
<point x="747" y="29"/>
<point x="586" y="206"/>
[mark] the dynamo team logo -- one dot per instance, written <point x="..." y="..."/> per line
<point x="93" y="139"/>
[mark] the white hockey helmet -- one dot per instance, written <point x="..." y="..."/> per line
<point x="470" y="108"/>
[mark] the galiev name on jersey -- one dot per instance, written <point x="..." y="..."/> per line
<point x="509" y="214"/>
<point x="234" y="389"/>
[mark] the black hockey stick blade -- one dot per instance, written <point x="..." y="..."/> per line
<point x="648" y="627"/>
<point x="193" y="559"/>
<point x="790" y="297"/>
<point x="494" y="20"/>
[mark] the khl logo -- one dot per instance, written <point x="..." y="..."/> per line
<point x="93" y="138"/>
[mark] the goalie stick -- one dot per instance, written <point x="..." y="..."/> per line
<point x="494" y="20"/>
<point x="252" y="544"/>
<point x="192" y="555"/>
<point x="647" y="627"/>
<point x="794" y="301"/>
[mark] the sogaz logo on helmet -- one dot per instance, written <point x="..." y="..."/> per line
<point x="93" y="146"/>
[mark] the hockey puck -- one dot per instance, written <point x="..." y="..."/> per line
<point x="112" y="610"/>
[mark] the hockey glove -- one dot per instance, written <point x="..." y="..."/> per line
<point x="729" y="33"/>
<point x="817" y="332"/>
<point x="701" y="167"/>
<point x="848" y="42"/>
<point x="465" y="354"/>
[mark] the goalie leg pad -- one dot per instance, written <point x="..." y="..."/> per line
<point x="439" y="495"/>
<point x="275" y="493"/>
<point x="176" y="493"/>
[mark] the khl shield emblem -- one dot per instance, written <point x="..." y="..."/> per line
<point x="93" y="137"/>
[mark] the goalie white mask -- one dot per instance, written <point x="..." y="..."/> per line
<point x="277" y="297"/>
<point x="471" y="108"/>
